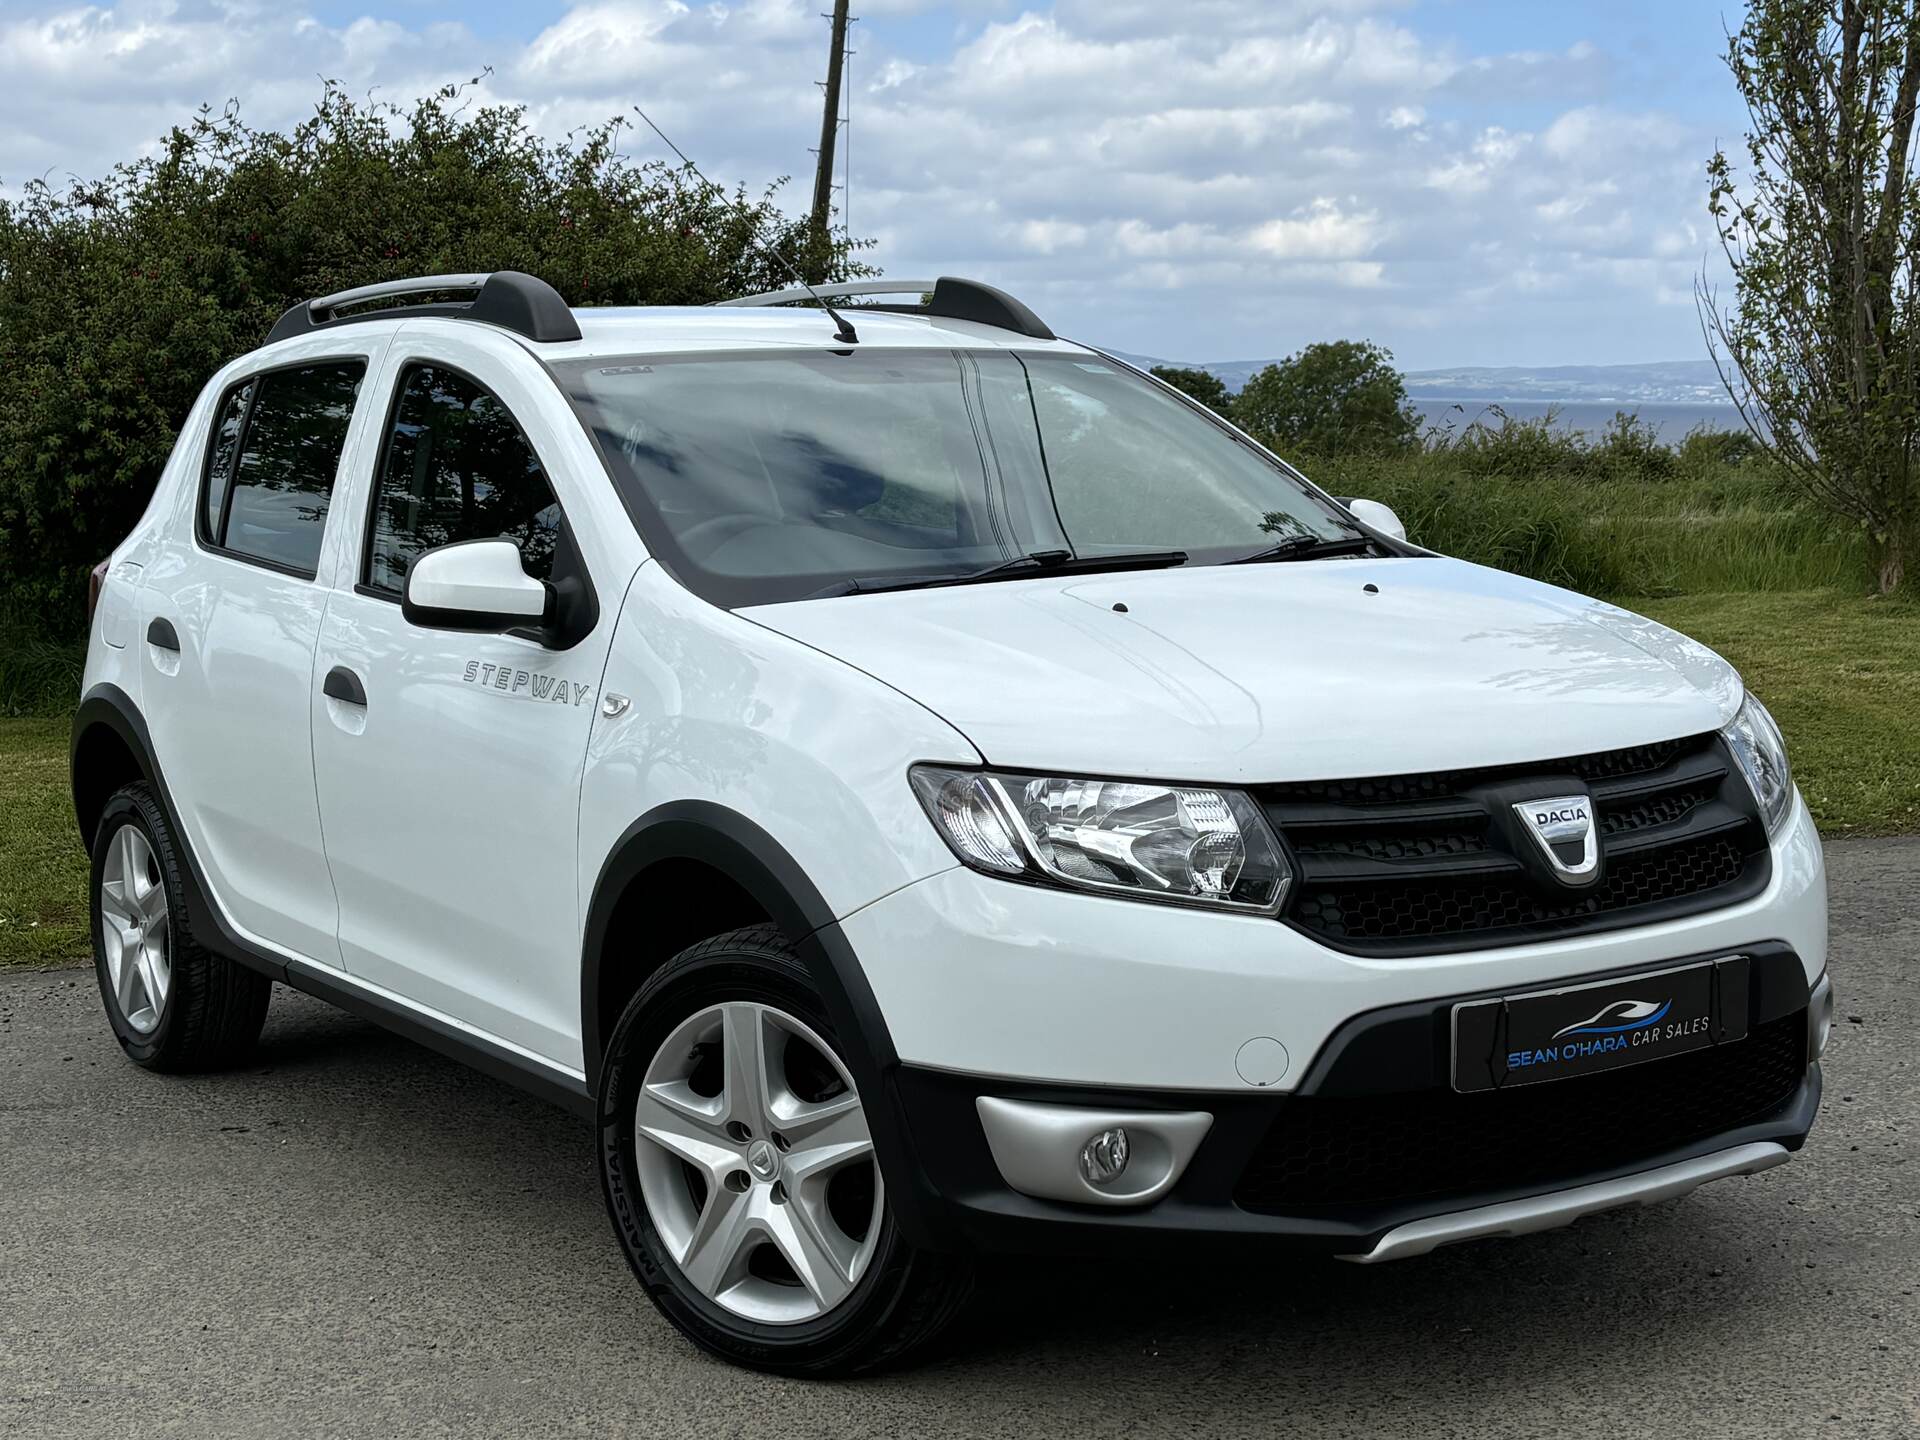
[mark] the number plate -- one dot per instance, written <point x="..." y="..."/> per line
<point x="1556" y="1034"/>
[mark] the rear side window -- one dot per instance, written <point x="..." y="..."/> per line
<point x="269" y="501"/>
<point x="456" y="467"/>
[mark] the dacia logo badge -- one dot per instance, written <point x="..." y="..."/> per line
<point x="1563" y="827"/>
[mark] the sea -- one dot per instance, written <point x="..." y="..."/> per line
<point x="1672" y="421"/>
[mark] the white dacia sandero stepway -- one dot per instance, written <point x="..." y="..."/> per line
<point x="924" y="789"/>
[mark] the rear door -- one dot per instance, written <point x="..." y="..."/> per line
<point x="233" y="603"/>
<point x="451" y="795"/>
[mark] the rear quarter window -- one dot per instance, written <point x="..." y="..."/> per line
<point x="226" y="440"/>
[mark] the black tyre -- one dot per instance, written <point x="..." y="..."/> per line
<point x="173" y="1005"/>
<point x="739" y="1172"/>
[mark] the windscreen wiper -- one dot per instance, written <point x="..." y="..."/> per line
<point x="1049" y="562"/>
<point x="1306" y="547"/>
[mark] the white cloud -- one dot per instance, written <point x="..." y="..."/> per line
<point x="1048" y="237"/>
<point x="1319" y="231"/>
<point x="1474" y="171"/>
<point x="1296" y="169"/>
<point x="593" y="45"/>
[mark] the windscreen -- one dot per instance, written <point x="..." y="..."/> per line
<point x="780" y="476"/>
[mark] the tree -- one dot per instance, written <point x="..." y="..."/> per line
<point x="120" y="298"/>
<point x="1820" y="346"/>
<point x="1202" y="385"/>
<point x="1338" y="397"/>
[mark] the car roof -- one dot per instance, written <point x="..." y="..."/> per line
<point x="623" y="331"/>
<point x="954" y="314"/>
<point x="663" y="330"/>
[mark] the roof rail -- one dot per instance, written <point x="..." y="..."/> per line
<point x="953" y="299"/>
<point x="832" y="291"/>
<point x="522" y="303"/>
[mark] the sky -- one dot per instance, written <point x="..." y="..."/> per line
<point x="1467" y="182"/>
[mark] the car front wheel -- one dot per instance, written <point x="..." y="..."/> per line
<point x="740" y="1172"/>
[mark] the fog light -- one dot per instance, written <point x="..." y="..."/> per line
<point x="1103" y="1159"/>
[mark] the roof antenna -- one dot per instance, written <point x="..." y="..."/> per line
<point x="843" y="331"/>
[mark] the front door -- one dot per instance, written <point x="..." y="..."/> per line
<point x="449" y="763"/>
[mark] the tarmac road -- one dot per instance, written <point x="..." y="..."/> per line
<point x="355" y="1237"/>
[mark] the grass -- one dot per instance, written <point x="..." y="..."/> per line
<point x="1842" y="676"/>
<point x="43" y="873"/>
<point x="1719" y="529"/>
<point x="1841" y="673"/>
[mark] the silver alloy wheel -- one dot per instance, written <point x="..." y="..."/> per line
<point x="133" y="929"/>
<point x="739" y="1171"/>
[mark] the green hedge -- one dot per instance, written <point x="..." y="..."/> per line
<point x="39" y="674"/>
<point x="119" y="298"/>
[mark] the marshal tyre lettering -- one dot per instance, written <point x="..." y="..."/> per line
<point x="537" y="686"/>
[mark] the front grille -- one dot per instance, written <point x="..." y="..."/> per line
<point x="1659" y="809"/>
<point x="1383" y="1149"/>
<point x="1403" y="911"/>
<point x="1404" y="864"/>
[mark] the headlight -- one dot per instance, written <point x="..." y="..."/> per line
<point x="1178" y="843"/>
<point x="1756" y="744"/>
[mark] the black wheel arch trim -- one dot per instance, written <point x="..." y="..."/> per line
<point x="740" y="849"/>
<point x="108" y="705"/>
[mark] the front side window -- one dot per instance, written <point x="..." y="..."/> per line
<point x="456" y="467"/>
<point x="269" y="502"/>
<point x="779" y="476"/>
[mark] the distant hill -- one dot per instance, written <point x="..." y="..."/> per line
<point x="1668" y="382"/>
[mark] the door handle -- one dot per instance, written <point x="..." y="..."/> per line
<point x="162" y="636"/>
<point x="343" y="685"/>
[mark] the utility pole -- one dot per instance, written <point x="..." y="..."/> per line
<point x="818" y="244"/>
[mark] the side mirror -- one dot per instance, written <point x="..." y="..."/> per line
<point x="1376" y="516"/>
<point x="474" y="585"/>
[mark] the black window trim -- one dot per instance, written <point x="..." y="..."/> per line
<point x="361" y="584"/>
<point x="202" y="541"/>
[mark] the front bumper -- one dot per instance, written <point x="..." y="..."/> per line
<point x="1014" y="994"/>
<point x="953" y="1193"/>
<point x="991" y="978"/>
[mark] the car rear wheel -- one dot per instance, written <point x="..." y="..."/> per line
<point x="741" y="1176"/>
<point x="173" y="1004"/>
